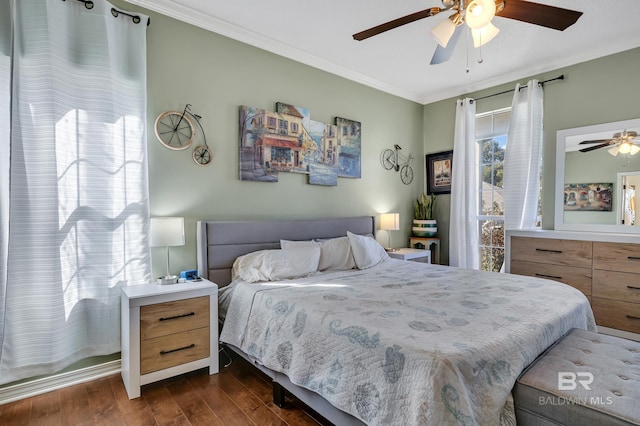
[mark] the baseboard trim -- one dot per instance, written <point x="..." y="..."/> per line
<point x="58" y="381"/>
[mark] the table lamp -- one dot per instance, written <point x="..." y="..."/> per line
<point x="390" y="222"/>
<point x="167" y="232"/>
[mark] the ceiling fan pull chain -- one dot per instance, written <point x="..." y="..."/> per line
<point x="467" y="45"/>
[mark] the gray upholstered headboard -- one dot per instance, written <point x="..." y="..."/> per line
<point x="219" y="243"/>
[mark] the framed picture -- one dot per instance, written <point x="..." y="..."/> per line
<point x="439" y="172"/>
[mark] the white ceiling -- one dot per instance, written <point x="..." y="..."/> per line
<point x="319" y="33"/>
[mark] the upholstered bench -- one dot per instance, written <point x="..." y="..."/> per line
<point x="585" y="378"/>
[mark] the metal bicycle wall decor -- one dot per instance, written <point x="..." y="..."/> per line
<point x="391" y="159"/>
<point x="175" y="130"/>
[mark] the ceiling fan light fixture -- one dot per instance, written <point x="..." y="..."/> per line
<point x="484" y="35"/>
<point x="624" y="148"/>
<point x="444" y="30"/>
<point x="614" y="151"/>
<point x="634" y="149"/>
<point x="479" y="13"/>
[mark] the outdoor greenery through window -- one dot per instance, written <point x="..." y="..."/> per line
<point x="491" y="139"/>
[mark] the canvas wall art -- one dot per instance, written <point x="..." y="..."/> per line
<point x="288" y="140"/>
<point x="350" y="147"/>
<point x="588" y="197"/>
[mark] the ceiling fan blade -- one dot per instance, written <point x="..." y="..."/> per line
<point x="443" y="54"/>
<point x="362" y="35"/>
<point x="544" y="15"/>
<point x="591" y="148"/>
<point x="595" y="141"/>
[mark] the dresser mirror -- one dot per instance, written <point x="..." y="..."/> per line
<point x="598" y="189"/>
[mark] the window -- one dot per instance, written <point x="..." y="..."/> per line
<point x="491" y="140"/>
<point x="283" y="127"/>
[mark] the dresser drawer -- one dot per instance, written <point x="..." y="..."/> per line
<point x="616" y="285"/>
<point x="552" y="251"/>
<point x="579" y="278"/>
<point x="621" y="257"/>
<point x="617" y="314"/>
<point x="167" y="318"/>
<point x="175" y="349"/>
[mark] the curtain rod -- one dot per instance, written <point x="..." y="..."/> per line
<point x="560" y="77"/>
<point x="115" y="12"/>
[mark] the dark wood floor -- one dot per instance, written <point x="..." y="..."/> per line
<point x="240" y="395"/>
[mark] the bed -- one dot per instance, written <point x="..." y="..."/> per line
<point x="393" y="343"/>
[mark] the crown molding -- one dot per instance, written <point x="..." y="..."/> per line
<point x="235" y="32"/>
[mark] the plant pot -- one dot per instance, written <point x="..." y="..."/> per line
<point x="424" y="228"/>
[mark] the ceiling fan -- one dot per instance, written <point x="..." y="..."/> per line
<point x="477" y="14"/>
<point x="623" y="143"/>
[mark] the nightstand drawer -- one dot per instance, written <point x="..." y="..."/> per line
<point x="616" y="314"/>
<point x="172" y="317"/>
<point x="175" y="349"/>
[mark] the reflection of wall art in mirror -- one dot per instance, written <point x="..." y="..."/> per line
<point x="588" y="197"/>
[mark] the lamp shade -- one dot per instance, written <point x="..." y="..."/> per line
<point x="166" y="231"/>
<point x="484" y="35"/>
<point x="443" y="31"/>
<point x="390" y="221"/>
<point x="479" y="13"/>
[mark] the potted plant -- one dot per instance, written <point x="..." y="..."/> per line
<point x="423" y="223"/>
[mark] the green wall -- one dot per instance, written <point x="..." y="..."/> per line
<point x="598" y="91"/>
<point x="216" y="75"/>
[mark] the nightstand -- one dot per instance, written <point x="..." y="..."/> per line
<point x="415" y="255"/>
<point x="426" y="243"/>
<point x="167" y="330"/>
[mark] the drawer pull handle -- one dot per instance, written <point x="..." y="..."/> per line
<point x="548" y="276"/>
<point x="633" y="288"/>
<point x="632" y="317"/>
<point x="193" y="345"/>
<point x="190" y="314"/>
<point x="549" y="250"/>
<point x="633" y="257"/>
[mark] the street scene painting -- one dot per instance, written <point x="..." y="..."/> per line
<point x="287" y="140"/>
<point x="350" y="147"/>
<point x="588" y="197"/>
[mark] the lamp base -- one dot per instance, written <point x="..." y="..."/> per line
<point x="169" y="279"/>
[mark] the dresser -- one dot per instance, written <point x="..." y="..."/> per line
<point x="167" y="330"/>
<point x="605" y="267"/>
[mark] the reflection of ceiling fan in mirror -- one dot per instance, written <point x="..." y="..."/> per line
<point x="624" y="142"/>
<point x="477" y="15"/>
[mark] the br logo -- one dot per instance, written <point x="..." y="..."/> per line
<point x="568" y="380"/>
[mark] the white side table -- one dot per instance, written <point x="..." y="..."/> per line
<point x="415" y="255"/>
<point x="168" y="330"/>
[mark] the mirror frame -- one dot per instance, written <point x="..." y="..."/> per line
<point x="561" y="136"/>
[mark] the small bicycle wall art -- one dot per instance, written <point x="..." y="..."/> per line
<point x="392" y="159"/>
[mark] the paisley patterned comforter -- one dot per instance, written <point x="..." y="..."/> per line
<point x="405" y="343"/>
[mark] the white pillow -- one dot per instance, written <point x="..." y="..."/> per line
<point x="273" y="265"/>
<point x="367" y="252"/>
<point x="336" y="254"/>
<point x="290" y="244"/>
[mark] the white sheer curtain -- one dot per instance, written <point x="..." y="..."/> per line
<point x="523" y="158"/>
<point x="78" y="194"/>
<point x="463" y="228"/>
<point x="5" y="126"/>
